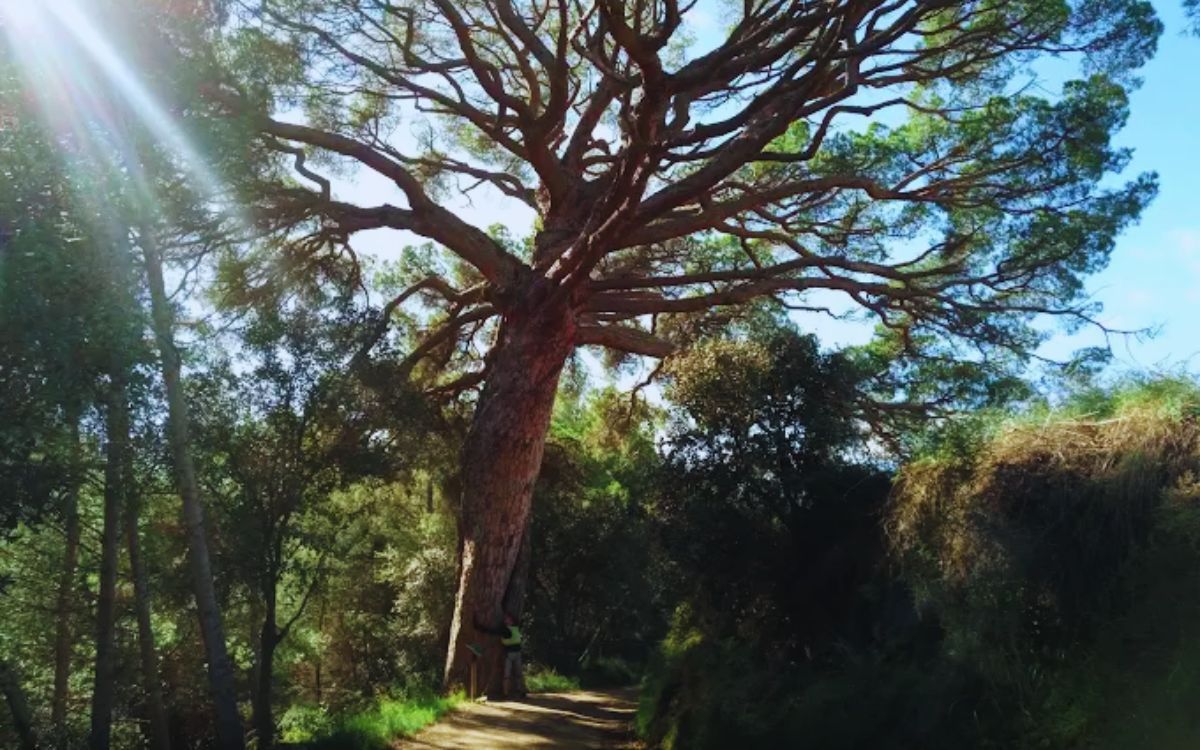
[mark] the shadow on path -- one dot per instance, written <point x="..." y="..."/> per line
<point x="583" y="720"/>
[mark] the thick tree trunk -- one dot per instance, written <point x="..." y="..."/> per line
<point x="500" y="463"/>
<point x="18" y="706"/>
<point x="229" y="731"/>
<point x="115" y="493"/>
<point x="158" y="733"/>
<point x="518" y="582"/>
<point x="63" y="640"/>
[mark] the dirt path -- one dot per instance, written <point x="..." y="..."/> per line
<point x="584" y="720"/>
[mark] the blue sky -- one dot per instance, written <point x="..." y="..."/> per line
<point x="1154" y="277"/>
<point x="1153" y="281"/>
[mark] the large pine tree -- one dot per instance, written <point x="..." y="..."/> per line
<point x="894" y="153"/>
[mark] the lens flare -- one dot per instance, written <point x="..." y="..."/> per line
<point x="87" y="92"/>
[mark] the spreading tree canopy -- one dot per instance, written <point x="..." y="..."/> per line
<point x="941" y="165"/>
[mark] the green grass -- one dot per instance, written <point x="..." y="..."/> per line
<point x="375" y="728"/>
<point x="546" y="680"/>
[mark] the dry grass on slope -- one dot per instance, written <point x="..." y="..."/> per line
<point x="1043" y="512"/>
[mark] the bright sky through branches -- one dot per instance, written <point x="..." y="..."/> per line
<point x="1153" y="281"/>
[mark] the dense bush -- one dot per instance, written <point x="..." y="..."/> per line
<point x="774" y="539"/>
<point x="1048" y="550"/>
<point x="374" y="727"/>
<point x="595" y="603"/>
<point x="1032" y="587"/>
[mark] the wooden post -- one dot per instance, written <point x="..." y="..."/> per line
<point x="473" y="688"/>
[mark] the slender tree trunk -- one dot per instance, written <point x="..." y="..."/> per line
<point x="264" y="717"/>
<point x="158" y="732"/>
<point x="500" y="463"/>
<point x="116" y="460"/>
<point x="66" y="589"/>
<point x="320" y="654"/>
<point x="18" y="706"/>
<point x="264" y="720"/>
<point x="229" y="731"/>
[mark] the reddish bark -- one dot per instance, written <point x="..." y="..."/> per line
<point x="500" y="463"/>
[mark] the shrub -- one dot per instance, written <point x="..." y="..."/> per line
<point x="1056" y="555"/>
<point x="1020" y="544"/>
<point x="374" y="728"/>
<point x="1039" y="594"/>
<point x="539" y="679"/>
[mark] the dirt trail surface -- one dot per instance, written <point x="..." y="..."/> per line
<point x="582" y="720"/>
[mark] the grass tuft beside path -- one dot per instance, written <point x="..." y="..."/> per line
<point x="546" y="680"/>
<point x="579" y="720"/>
<point x="378" y="727"/>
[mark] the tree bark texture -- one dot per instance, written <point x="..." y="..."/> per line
<point x="229" y="731"/>
<point x="18" y="706"/>
<point x="115" y="493"/>
<point x="518" y="582"/>
<point x="63" y="640"/>
<point x="158" y="735"/>
<point x="500" y="463"/>
<point x="264" y="719"/>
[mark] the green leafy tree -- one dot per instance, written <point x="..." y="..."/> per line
<point x="770" y="446"/>
<point x="595" y="585"/>
<point x="767" y="507"/>
<point x="279" y="435"/>
<point x="70" y="333"/>
<point x="132" y="193"/>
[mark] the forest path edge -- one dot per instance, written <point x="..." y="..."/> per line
<point x="580" y="719"/>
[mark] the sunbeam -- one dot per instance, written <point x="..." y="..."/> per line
<point x="73" y="68"/>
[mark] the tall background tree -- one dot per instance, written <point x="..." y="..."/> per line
<point x="887" y="152"/>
